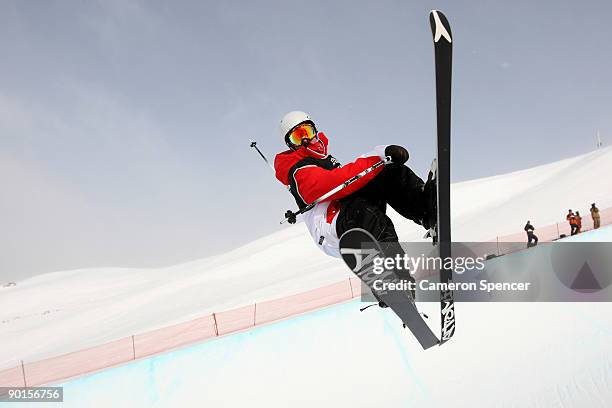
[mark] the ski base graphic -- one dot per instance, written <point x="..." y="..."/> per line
<point x="359" y="249"/>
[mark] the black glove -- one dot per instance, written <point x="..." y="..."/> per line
<point x="398" y="154"/>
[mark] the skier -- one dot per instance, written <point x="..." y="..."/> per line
<point x="571" y="218"/>
<point x="595" y="216"/>
<point x="532" y="239"/>
<point x="309" y="171"/>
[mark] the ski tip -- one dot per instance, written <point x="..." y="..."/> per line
<point x="440" y="27"/>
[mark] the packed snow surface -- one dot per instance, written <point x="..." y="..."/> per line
<point x="64" y="311"/>
<point x="503" y="355"/>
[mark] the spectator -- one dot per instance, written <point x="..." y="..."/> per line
<point x="578" y="222"/>
<point x="532" y="239"/>
<point x="595" y="216"/>
<point x="571" y="218"/>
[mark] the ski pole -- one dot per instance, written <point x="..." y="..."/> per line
<point x="254" y="145"/>
<point x="290" y="216"/>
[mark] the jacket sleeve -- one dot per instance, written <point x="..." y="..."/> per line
<point x="312" y="181"/>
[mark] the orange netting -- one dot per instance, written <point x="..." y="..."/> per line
<point x="13" y="377"/>
<point x="120" y="351"/>
<point x="171" y="337"/>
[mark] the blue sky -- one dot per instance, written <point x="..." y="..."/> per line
<point x="124" y="125"/>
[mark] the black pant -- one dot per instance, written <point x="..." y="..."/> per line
<point x="395" y="185"/>
<point x="532" y="239"/>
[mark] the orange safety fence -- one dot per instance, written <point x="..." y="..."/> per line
<point x="55" y="369"/>
<point x="171" y="337"/>
<point x="59" y="368"/>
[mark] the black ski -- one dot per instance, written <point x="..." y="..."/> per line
<point x="443" y="46"/>
<point x="359" y="249"/>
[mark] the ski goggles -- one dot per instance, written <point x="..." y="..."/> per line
<point x="302" y="132"/>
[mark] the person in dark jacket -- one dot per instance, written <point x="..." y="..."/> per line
<point x="532" y="239"/>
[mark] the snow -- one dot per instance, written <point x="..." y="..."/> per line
<point x="105" y="304"/>
<point x="503" y="355"/>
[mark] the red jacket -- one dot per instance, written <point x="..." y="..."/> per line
<point x="309" y="179"/>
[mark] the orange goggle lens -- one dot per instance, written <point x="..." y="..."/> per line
<point x="305" y="131"/>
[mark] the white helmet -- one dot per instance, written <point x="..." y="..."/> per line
<point x="291" y="120"/>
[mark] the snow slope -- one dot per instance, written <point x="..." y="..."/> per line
<point x="104" y="304"/>
<point x="543" y="355"/>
